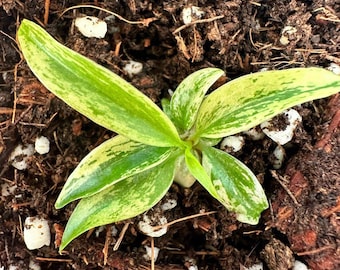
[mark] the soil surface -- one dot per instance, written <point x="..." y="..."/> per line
<point x="238" y="36"/>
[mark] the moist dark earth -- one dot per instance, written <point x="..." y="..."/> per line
<point x="237" y="36"/>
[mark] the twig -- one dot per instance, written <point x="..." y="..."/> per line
<point x="179" y="29"/>
<point x="329" y="212"/>
<point x="42" y="259"/>
<point x="255" y="3"/>
<point x="333" y="58"/>
<point x="252" y="250"/>
<point x="291" y="195"/>
<point x="152" y="253"/>
<point x="144" y="22"/>
<point x="16" y="206"/>
<point x="315" y="251"/>
<point x="55" y="136"/>
<point x="107" y="243"/>
<point x="182" y="47"/>
<point x="156" y="228"/>
<point x="7" y="35"/>
<point x="117" y="48"/>
<point x="16" y="121"/>
<point x="329" y="15"/>
<point x="121" y="236"/>
<point x="251" y="39"/>
<point x="32" y="124"/>
<point x="47" y="11"/>
<point x="252" y="232"/>
<point x="195" y="45"/>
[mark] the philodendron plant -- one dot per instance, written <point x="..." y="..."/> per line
<point x="130" y="173"/>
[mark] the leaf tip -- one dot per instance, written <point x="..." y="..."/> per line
<point x="60" y="203"/>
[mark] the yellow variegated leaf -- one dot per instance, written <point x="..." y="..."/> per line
<point x="109" y="163"/>
<point x="123" y="200"/>
<point x="93" y="90"/>
<point x="234" y="185"/>
<point x="249" y="100"/>
<point x="189" y="95"/>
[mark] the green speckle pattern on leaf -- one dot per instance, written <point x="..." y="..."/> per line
<point x="189" y="95"/>
<point x="237" y="188"/>
<point x="130" y="173"/>
<point x="250" y="100"/>
<point x="109" y="163"/>
<point x="93" y="90"/>
<point x="120" y="201"/>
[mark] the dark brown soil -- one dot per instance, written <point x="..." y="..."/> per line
<point x="238" y="36"/>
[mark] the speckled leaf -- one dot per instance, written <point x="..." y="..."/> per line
<point x="93" y="90"/>
<point x="110" y="162"/>
<point x="249" y="100"/>
<point x="123" y="200"/>
<point x="189" y="95"/>
<point x="237" y="188"/>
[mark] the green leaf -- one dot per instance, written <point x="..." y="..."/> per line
<point x="210" y="141"/>
<point x="237" y="188"/>
<point x="123" y="200"/>
<point x="93" y="90"/>
<point x="189" y="95"/>
<point x="166" y="106"/>
<point x="249" y="100"/>
<point x="112" y="161"/>
<point x="199" y="173"/>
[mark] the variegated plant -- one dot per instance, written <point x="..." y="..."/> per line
<point x="131" y="172"/>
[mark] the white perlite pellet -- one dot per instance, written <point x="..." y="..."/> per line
<point x="282" y="136"/>
<point x="91" y="26"/>
<point x="7" y="190"/>
<point x="133" y="68"/>
<point x="19" y="157"/>
<point x="145" y="225"/>
<point x="254" y="134"/>
<point x="286" y="33"/>
<point x="169" y="204"/>
<point x="148" y="254"/>
<point x="36" y="233"/>
<point x="232" y="143"/>
<point x="33" y="265"/>
<point x="279" y="154"/>
<point x="191" y="262"/>
<point x="335" y="68"/>
<point x="299" y="266"/>
<point x="42" y="145"/>
<point x="192" y="13"/>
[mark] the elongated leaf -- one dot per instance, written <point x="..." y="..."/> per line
<point x="125" y="199"/>
<point x="189" y="95"/>
<point x="199" y="173"/>
<point x="236" y="186"/>
<point x="93" y="90"/>
<point x="112" y="161"/>
<point x="249" y="100"/>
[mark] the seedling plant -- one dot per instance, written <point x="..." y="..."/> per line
<point x="129" y="173"/>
